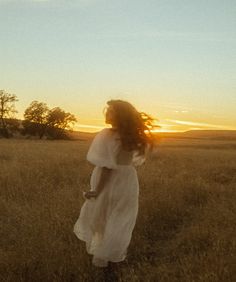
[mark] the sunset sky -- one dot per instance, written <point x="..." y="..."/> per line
<point x="174" y="59"/>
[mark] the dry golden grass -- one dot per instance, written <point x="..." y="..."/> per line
<point x="185" y="229"/>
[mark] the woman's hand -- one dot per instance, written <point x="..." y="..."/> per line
<point x="105" y="174"/>
<point x="90" y="194"/>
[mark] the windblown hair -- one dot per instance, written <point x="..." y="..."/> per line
<point x="133" y="127"/>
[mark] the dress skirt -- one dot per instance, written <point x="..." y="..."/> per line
<point x="106" y="222"/>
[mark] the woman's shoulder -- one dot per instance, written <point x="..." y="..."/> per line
<point x="102" y="131"/>
<point x="106" y="134"/>
<point x="108" y="131"/>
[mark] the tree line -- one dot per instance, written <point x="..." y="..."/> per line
<point x="39" y="120"/>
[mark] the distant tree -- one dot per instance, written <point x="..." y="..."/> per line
<point x="41" y="121"/>
<point x="58" y="121"/>
<point x="35" y="116"/>
<point x="14" y="126"/>
<point x="7" y="111"/>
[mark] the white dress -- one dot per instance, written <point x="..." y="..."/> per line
<point x="106" y="222"/>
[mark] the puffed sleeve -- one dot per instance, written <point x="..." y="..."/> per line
<point x="103" y="150"/>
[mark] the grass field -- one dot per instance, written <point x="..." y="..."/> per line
<point x="186" y="224"/>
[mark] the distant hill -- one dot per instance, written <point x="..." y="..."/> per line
<point x="191" y="134"/>
<point x="201" y="134"/>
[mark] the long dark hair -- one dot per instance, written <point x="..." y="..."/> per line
<point x="133" y="127"/>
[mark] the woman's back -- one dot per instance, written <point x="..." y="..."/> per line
<point x="107" y="221"/>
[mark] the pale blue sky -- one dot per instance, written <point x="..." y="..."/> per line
<point x="173" y="59"/>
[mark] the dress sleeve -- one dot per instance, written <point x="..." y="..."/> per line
<point x="102" y="151"/>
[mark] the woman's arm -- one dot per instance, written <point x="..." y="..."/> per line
<point x="105" y="175"/>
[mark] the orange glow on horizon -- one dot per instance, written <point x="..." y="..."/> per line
<point x="168" y="126"/>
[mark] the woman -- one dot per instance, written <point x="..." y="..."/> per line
<point x="108" y="215"/>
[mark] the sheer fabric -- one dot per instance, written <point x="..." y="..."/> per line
<point x="107" y="222"/>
